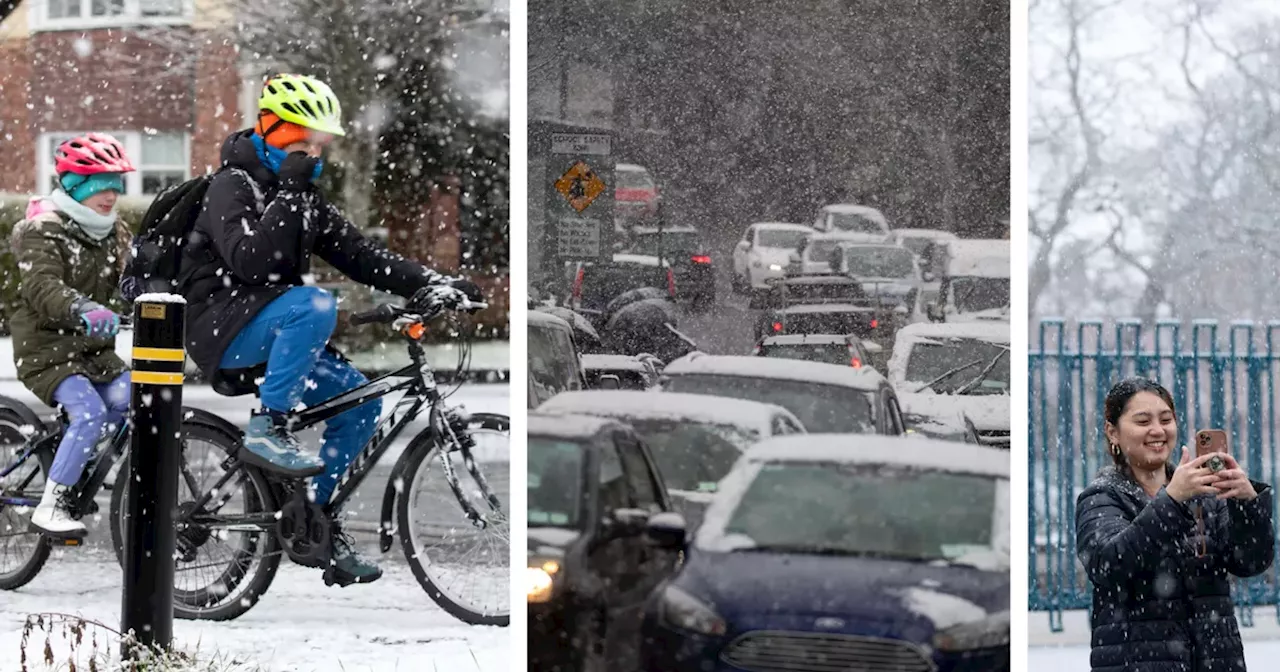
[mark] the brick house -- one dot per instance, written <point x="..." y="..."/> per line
<point x="146" y="71"/>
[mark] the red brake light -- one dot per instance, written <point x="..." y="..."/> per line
<point x="577" y="283"/>
<point x="700" y="259"/>
<point x="874" y="323"/>
<point x="855" y="363"/>
<point x="777" y="326"/>
<point x="671" y="283"/>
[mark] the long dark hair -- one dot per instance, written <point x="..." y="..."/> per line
<point x="1118" y="399"/>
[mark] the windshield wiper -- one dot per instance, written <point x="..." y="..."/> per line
<point x="813" y="549"/>
<point x="969" y="386"/>
<point x="952" y="372"/>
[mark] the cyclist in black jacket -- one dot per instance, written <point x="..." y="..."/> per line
<point x="250" y="314"/>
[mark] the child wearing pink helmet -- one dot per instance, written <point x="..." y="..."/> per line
<point x="71" y="248"/>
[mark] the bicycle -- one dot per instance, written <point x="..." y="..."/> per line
<point x="276" y="518"/>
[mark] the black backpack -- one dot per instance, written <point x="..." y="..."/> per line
<point x="156" y="256"/>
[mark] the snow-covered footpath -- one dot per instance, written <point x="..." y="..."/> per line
<point x="300" y="625"/>
<point x="1068" y="651"/>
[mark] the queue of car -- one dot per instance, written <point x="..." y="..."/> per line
<point x="835" y="499"/>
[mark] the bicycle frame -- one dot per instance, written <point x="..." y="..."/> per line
<point x="87" y="488"/>
<point x="421" y="390"/>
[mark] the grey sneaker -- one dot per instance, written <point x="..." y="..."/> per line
<point x="346" y="565"/>
<point x="268" y="444"/>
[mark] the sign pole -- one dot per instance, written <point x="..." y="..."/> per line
<point x="154" y="456"/>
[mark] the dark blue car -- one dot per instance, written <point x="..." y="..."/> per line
<point x="844" y="552"/>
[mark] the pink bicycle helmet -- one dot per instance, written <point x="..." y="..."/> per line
<point x="91" y="154"/>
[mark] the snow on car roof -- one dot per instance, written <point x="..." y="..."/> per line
<point x="698" y="408"/>
<point x="909" y="451"/>
<point x="979" y="258"/>
<point x="854" y="209"/>
<point x="936" y="234"/>
<point x="631" y="167"/>
<point x="806" y="339"/>
<point x="982" y="331"/>
<point x="547" y="319"/>
<point x="639" y="259"/>
<point x="782" y="226"/>
<point x="679" y="228"/>
<point x="747" y="366"/>
<point x="566" y="426"/>
<point x="613" y="362"/>
<point x="851" y="236"/>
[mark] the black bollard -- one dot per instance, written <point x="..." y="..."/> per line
<point x="154" y="454"/>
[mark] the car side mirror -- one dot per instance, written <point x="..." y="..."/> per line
<point x="610" y="381"/>
<point x="935" y="312"/>
<point x="927" y="276"/>
<point x="621" y="523"/>
<point x="744" y="244"/>
<point x="667" y="530"/>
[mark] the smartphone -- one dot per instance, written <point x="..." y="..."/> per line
<point x="1212" y="441"/>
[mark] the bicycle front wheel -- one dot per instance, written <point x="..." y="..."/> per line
<point x="22" y="551"/>
<point x="464" y="567"/>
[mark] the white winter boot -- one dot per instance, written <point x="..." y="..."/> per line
<point x="53" y="516"/>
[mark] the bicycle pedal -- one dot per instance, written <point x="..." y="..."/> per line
<point x="65" y="541"/>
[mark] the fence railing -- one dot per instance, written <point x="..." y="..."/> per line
<point x="1221" y="377"/>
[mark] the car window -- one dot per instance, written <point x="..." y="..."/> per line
<point x="612" y="480"/>
<point x="553" y="361"/>
<point x="828" y="409"/>
<point x="641" y="486"/>
<point x="692" y="455"/>
<point x="848" y="221"/>
<point x="954" y="363"/>
<point x="782" y="238"/>
<point x="554" y="482"/>
<point x="895" y="414"/>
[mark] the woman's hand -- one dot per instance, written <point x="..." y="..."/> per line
<point x="1232" y="482"/>
<point x="1192" y="478"/>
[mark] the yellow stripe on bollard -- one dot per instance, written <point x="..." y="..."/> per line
<point x="160" y="354"/>
<point x="155" y="378"/>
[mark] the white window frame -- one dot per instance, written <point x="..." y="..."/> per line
<point x="38" y="18"/>
<point x="132" y="141"/>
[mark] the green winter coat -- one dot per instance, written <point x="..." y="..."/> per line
<point x="59" y="266"/>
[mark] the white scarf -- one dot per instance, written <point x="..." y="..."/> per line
<point x="96" y="226"/>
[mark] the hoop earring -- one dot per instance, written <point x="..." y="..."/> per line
<point x="1115" y="450"/>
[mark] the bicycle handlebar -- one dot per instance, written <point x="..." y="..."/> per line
<point x="387" y="313"/>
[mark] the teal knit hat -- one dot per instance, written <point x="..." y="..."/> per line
<point x="81" y="187"/>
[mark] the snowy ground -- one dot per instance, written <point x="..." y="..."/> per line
<point x="300" y="625"/>
<point x="1068" y="651"/>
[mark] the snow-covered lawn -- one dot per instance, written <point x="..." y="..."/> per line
<point x="299" y="626"/>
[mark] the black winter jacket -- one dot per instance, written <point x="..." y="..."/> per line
<point x="252" y="242"/>
<point x="1157" y="607"/>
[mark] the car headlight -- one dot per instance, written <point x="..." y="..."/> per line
<point x="990" y="632"/>
<point x="681" y="610"/>
<point x="538" y="581"/>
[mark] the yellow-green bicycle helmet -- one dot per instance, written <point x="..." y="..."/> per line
<point x="305" y="101"/>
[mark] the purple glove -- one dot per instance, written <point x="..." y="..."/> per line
<point x="98" y="321"/>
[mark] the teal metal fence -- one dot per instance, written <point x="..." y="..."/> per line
<point x="1222" y="376"/>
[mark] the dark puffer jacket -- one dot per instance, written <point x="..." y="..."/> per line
<point x="1157" y="607"/>
<point x="252" y="242"/>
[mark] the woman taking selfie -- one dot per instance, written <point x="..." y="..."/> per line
<point x="1158" y="540"/>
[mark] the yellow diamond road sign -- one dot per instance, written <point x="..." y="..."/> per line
<point x="580" y="186"/>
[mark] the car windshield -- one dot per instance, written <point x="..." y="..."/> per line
<point x="794" y="293"/>
<point x="916" y="244"/>
<point x="847" y="221"/>
<point x="634" y="179"/>
<point x="827" y="353"/>
<point x="553" y="362"/>
<point x="555" y="482"/>
<point x="879" y="262"/>
<point x="965" y="359"/>
<point x="690" y="455"/>
<point x="782" y="238"/>
<point x="679" y="243"/>
<point x="821" y="408"/>
<point x="872" y="510"/>
<point x="972" y="294"/>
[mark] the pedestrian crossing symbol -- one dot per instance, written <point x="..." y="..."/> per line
<point x="580" y="186"/>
